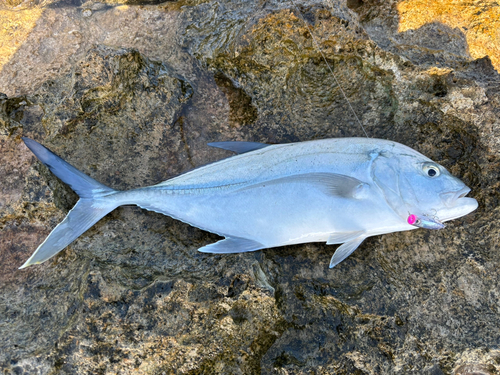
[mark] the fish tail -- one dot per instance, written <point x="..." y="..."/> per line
<point x="94" y="204"/>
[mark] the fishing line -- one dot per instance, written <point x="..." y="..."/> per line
<point x="328" y="65"/>
<point x="421" y="221"/>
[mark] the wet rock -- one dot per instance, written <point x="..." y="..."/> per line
<point x="131" y="95"/>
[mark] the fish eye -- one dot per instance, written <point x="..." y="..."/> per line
<point x="431" y="170"/>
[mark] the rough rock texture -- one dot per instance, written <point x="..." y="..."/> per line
<point x="131" y="95"/>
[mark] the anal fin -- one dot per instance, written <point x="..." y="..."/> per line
<point x="231" y="245"/>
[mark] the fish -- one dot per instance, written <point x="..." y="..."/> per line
<point x="335" y="191"/>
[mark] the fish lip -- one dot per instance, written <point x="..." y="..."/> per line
<point x="466" y="206"/>
<point x="462" y="192"/>
<point x="457" y="204"/>
<point x="451" y="199"/>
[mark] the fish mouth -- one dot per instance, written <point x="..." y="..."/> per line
<point x="457" y="204"/>
<point x="451" y="199"/>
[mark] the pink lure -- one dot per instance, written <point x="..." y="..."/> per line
<point x="424" y="222"/>
<point x="412" y="219"/>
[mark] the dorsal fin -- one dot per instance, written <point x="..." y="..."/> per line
<point x="238" y="147"/>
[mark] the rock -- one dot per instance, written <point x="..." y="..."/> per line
<point x="131" y="95"/>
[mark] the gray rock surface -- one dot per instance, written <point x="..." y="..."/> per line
<point x="131" y="95"/>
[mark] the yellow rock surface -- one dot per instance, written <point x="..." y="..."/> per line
<point x="478" y="20"/>
<point x="15" y="26"/>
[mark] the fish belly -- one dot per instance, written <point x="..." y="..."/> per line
<point x="273" y="215"/>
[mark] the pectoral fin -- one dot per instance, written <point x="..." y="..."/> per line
<point x="238" y="147"/>
<point x="232" y="245"/>
<point x="331" y="183"/>
<point x="345" y="250"/>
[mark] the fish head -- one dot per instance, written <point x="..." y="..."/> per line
<point x="430" y="189"/>
<point x="414" y="184"/>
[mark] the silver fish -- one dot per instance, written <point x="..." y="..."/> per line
<point x="338" y="191"/>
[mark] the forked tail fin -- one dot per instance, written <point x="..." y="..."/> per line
<point x="93" y="205"/>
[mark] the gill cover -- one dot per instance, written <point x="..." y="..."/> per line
<point x="388" y="175"/>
